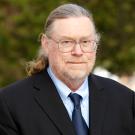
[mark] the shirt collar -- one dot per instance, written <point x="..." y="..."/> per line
<point x="64" y="91"/>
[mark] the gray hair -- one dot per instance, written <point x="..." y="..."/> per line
<point x="61" y="12"/>
<point x="65" y="11"/>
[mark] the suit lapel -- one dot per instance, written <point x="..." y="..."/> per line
<point x="98" y="103"/>
<point x="49" y="100"/>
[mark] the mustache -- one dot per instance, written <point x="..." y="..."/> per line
<point x="72" y="60"/>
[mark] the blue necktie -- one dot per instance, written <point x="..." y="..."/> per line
<point x="77" y="118"/>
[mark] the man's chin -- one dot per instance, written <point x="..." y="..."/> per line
<point x="76" y="75"/>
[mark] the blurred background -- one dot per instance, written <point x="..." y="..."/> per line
<point x="21" y="22"/>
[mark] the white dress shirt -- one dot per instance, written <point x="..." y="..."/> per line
<point x="64" y="92"/>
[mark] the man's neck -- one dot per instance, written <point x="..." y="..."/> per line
<point x="73" y="84"/>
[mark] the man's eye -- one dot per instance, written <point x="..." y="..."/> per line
<point x="85" y="41"/>
<point x="66" y="41"/>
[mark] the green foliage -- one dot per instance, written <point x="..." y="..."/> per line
<point x="115" y="21"/>
<point x="21" y="21"/>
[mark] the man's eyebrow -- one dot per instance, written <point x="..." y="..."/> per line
<point x="67" y="37"/>
<point x="72" y="38"/>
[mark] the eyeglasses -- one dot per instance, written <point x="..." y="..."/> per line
<point x="67" y="45"/>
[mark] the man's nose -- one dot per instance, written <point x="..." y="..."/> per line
<point x="77" y="50"/>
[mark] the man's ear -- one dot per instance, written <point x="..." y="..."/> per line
<point x="44" y="43"/>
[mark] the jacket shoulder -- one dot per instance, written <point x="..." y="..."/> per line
<point x="110" y="84"/>
<point x="18" y="87"/>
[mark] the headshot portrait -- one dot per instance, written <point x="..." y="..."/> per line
<point x="61" y="95"/>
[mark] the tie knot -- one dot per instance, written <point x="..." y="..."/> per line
<point x="76" y="98"/>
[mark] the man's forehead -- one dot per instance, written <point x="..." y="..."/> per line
<point x="72" y="20"/>
<point x="73" y="25"/>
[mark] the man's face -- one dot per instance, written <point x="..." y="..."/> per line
<point x="75" y="64"/>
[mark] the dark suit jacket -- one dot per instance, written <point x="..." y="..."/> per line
<point x="33" y="107"/>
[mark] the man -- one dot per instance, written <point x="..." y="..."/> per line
<point x="62" y="96"/>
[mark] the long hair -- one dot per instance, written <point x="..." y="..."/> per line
<point x="61" y="12"/>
